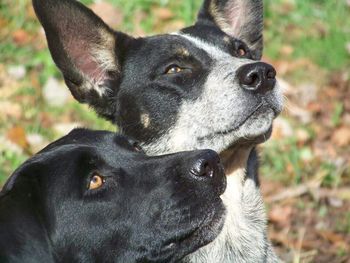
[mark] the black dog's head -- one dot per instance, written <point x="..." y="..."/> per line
<point x="93" y="196"/>
<point x="198" y="88"/>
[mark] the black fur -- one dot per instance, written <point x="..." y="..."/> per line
<point x="150" y="209"/>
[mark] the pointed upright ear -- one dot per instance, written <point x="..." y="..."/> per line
<point x="85" y="49"/>
<point x="242" y="19"/>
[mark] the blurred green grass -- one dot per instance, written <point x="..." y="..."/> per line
<point x="316" y="29"/>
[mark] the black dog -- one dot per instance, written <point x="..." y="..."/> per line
<point x="92" y="196"/>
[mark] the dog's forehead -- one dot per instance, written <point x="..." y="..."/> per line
<point x="99" y="141"/>
<point x="186" y="42"/>
<point x="215" y="52"/>
<point x="210" y="35"/>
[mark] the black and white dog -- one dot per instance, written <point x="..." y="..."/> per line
<point x="201" y="87"/>
<point x="92" y="196"/>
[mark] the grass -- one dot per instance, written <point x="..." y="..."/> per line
<point x="316" y="29"/>
<point x="286" y="161"/>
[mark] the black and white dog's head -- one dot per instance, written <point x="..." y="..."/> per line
<point x="92" y="196"/>
<point x="201" y="87"/>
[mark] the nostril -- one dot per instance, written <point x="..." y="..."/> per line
<point x="249" y="76"/>
<point x="271" y="74"/>
<point x="203" y="168"/>
<point x="252" y="79"/>
<point x="207" y="170"/>
<point x="206" y="164"/>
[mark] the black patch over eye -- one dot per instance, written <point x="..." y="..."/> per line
<point x="173" y="69"/>
<point x="241" y="50"/>
<point x="137" y="147"/>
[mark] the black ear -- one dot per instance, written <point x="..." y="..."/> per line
<point x="242" y="19"/>
<point x="23" y="177"/>
<point x="85" y="49"/>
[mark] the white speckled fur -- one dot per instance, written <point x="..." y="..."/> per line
<point x="243" y="238"/>
<point x="222" y="103"/>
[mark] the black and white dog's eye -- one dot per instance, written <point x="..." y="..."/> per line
<point x="137" y="147"/>
<point x="241" y="52"/>
<point x="173" y="69"/>
<point x="240" y="49"/>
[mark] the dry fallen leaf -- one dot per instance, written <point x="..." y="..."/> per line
<point x="331" y="236"/>
<point x="286" y="50"/>
<point x="302" y="136"/>
<point x="281" y="214"/>
<point x="162" y="13"/>
<point x="21" y="37"/>
<point x="341" y="137"/>
<point x="17" y="135"/>
<point x="10" y="110"/>
<point x="109" y="13"/>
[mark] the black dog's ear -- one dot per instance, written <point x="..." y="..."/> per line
<point x="242" y="19"/>
<point x="23" y="177"/>
<point x="85" y="49"/>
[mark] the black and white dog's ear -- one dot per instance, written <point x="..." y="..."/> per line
<point x="242" y="19"/>
<point x="85" y="49"/>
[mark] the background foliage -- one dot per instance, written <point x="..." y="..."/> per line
<point x="305" y="166"/>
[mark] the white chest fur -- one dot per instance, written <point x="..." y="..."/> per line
<point x="243" y="238"/>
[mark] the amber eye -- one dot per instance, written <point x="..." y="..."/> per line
<point x="241" y="52"/>
<point x="173" y="69"/>
<point x="96" y="181"/>
<point x="137" y="147"/>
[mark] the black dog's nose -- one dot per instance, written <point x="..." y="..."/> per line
<point x="206" y="164"/>
<point x="207" y="167"/>
<point x="257" y="77"/>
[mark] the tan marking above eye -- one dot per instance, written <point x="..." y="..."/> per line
<point x="183" y="52"/>
<point x="174" y="70"/>
<point x="145" y="120"/>
<point x="96" y="182"/>
<point x="227" y="39"/>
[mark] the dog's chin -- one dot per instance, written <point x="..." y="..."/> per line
<point x="200" y="235"/>
<point x="255" y="129"/>
<point x="258" y="128"/>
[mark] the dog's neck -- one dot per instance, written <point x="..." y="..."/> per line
<point x="235" y="160"/>
<point x="243" y="238"/>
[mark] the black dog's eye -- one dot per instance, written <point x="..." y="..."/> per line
<point x="137" y="147"/>
<point x="173" y="69"/>
<point x="96" y="181"/>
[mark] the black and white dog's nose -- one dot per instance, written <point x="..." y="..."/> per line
<point x="258" y="77"/>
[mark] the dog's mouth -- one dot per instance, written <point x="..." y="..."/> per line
<point x="202" y="234"/>
<point x="239" y="124"/>
<point x="257" y="136"/>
